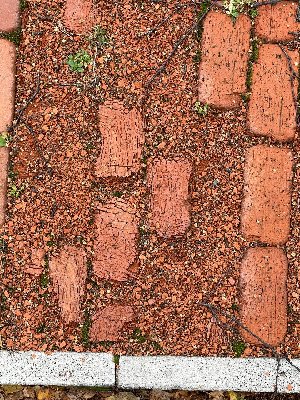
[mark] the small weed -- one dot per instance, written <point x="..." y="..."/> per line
<point x="79" y="62"/>
<point x="3" y="139"/>
<point x="238" y="347"/>
<point x="15" y="192"/>
<point x="197" y="57"/>
<point x="23" y="5"/>
<point x="117" y="194"/>
<point x="116" y="359"/>
<point x="14" y="36"/>
<point x="41" y="328"/>
<point x="106" y="343"/>
<point x="156" y="345"/>
<point x="200" y="109"/>
<point x="235" y="7"/>
<point x="44" y="280"/>
<point x="253" y="13"/>
<point x="253" y="58"/>
<point x="99" y="36"/>
<point x="85" y="330"/>
<point x="138" y="336"/>
<point x="234" y="307"/>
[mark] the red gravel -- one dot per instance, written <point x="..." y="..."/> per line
<point x="54" y="151"/>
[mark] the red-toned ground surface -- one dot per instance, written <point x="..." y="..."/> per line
<point x="135" y="198"/>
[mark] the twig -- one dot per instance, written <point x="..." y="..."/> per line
<point x="265" y="3"/>
<point x="30" y="100"/>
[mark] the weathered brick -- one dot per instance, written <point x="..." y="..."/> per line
<point x="108" y="323"/>
<point x="223" y="66"/>
<point x="168" y="181"/>
<point x="68" y="272"/>
<point x="9" y="15"/>
<point x="272" y="110"/>
<point x="115" y="245"/>
<point x="263" y="295"/>
<point x="4" y="154"/>
<point x="7" y="79"/>
<point x="79" y="15"/>
<point x="274" y="21"/>
<point x="267" y="194"/>
<point x="122" y="140"/>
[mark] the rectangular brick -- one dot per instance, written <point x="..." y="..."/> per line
<point x="274" y="21"/>
<point x="7" y="79"/>
<point x="168" y="181"/>
<point x="122" y="140"/>
<point x="263" y="295"/>
<point x="9" y="15"/>
<point x="267" y="194"/>
<point x="224" y="58"/>
<point x="272" y="110"/>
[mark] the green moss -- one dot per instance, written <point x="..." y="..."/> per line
<point x="14" y="36"/>
<point x="116" y="359"/>
<point x="85" y="330"/>
<point x="238" y="347"/>
<point x="23" y="5"/>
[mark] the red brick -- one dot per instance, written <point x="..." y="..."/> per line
<point x="7" y="79"/>
<point x="272" y="110"/>
<point x="9" y="15"/>
<point x="122" y="140"/>
<point x="4" y="154"/>
<point x="68" y="272"/>
<point x="108" y="323"/>
<point x="115" y="246"/>
<point x="267" y="194"/>
<point x="223" y="67"/>
<point x="263" y="295"/>
<point x="168" y="181"/>
<point x="79" y="15"/>
<point x="274" y="22"/>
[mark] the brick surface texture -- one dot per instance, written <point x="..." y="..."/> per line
<point x="272" y="110"/>
<point x="223" y="67"/>
<point x="274" y="22"/>
<point x="68" y="272"/>
<point x="9" y="15"/>
<point x="267" y="195"/>
<point x="122" y="140"/>
<point x="108" y="323"/>
<point x="263" y="295"/>
<point x="78" y="15"/>
<point x="7" y="87"/>
<point x="4" y="153"/>
<point x="168" y="182"/>
<point x="115" y="246"/>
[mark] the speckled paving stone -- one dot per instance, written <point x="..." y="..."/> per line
<point x="223" y="67"/>
<point x="68" y="272"/>
<point x="272" y="109"/>
<point x="9" y="15"/>
<point x="108" y="323"/>
<point x="78" y="15"/>
<point x="267" y="194"/>
<point x="4" y="153"/>
<point x="168" y="182"/>
<point x="122" y="140"/>
<point x="7" y="87"/>
<point x="263" y="295"/>
<point x="115" y="245"/>
<point x="274" y="22"/>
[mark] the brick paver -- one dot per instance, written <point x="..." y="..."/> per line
<point x="272" y="110"/>
<point x="267" y="194"/>
<point x="223" y="67"/>
<point x="78" y="15"/>
<point x="9" y="15"/>
<point x="263" y="295"/>
<point x="274" y="22"/>
<point x="4" y="153"/>
<point x="7" y="87"/>
<point x="168" y="181"/>
<point x="122" y="140"/>
<point x="68" y="272"/>
<point x="108" y="323"/>
<point x="115" y="245"/>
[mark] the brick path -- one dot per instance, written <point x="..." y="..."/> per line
<point x="265" y="213"/>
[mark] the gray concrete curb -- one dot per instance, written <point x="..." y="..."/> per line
<point x="150" y="372"/>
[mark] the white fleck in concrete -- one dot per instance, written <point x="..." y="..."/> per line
<point x="61" y="369"/>
<point x="289" y="377"/>
<point x="198" y="373"/>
